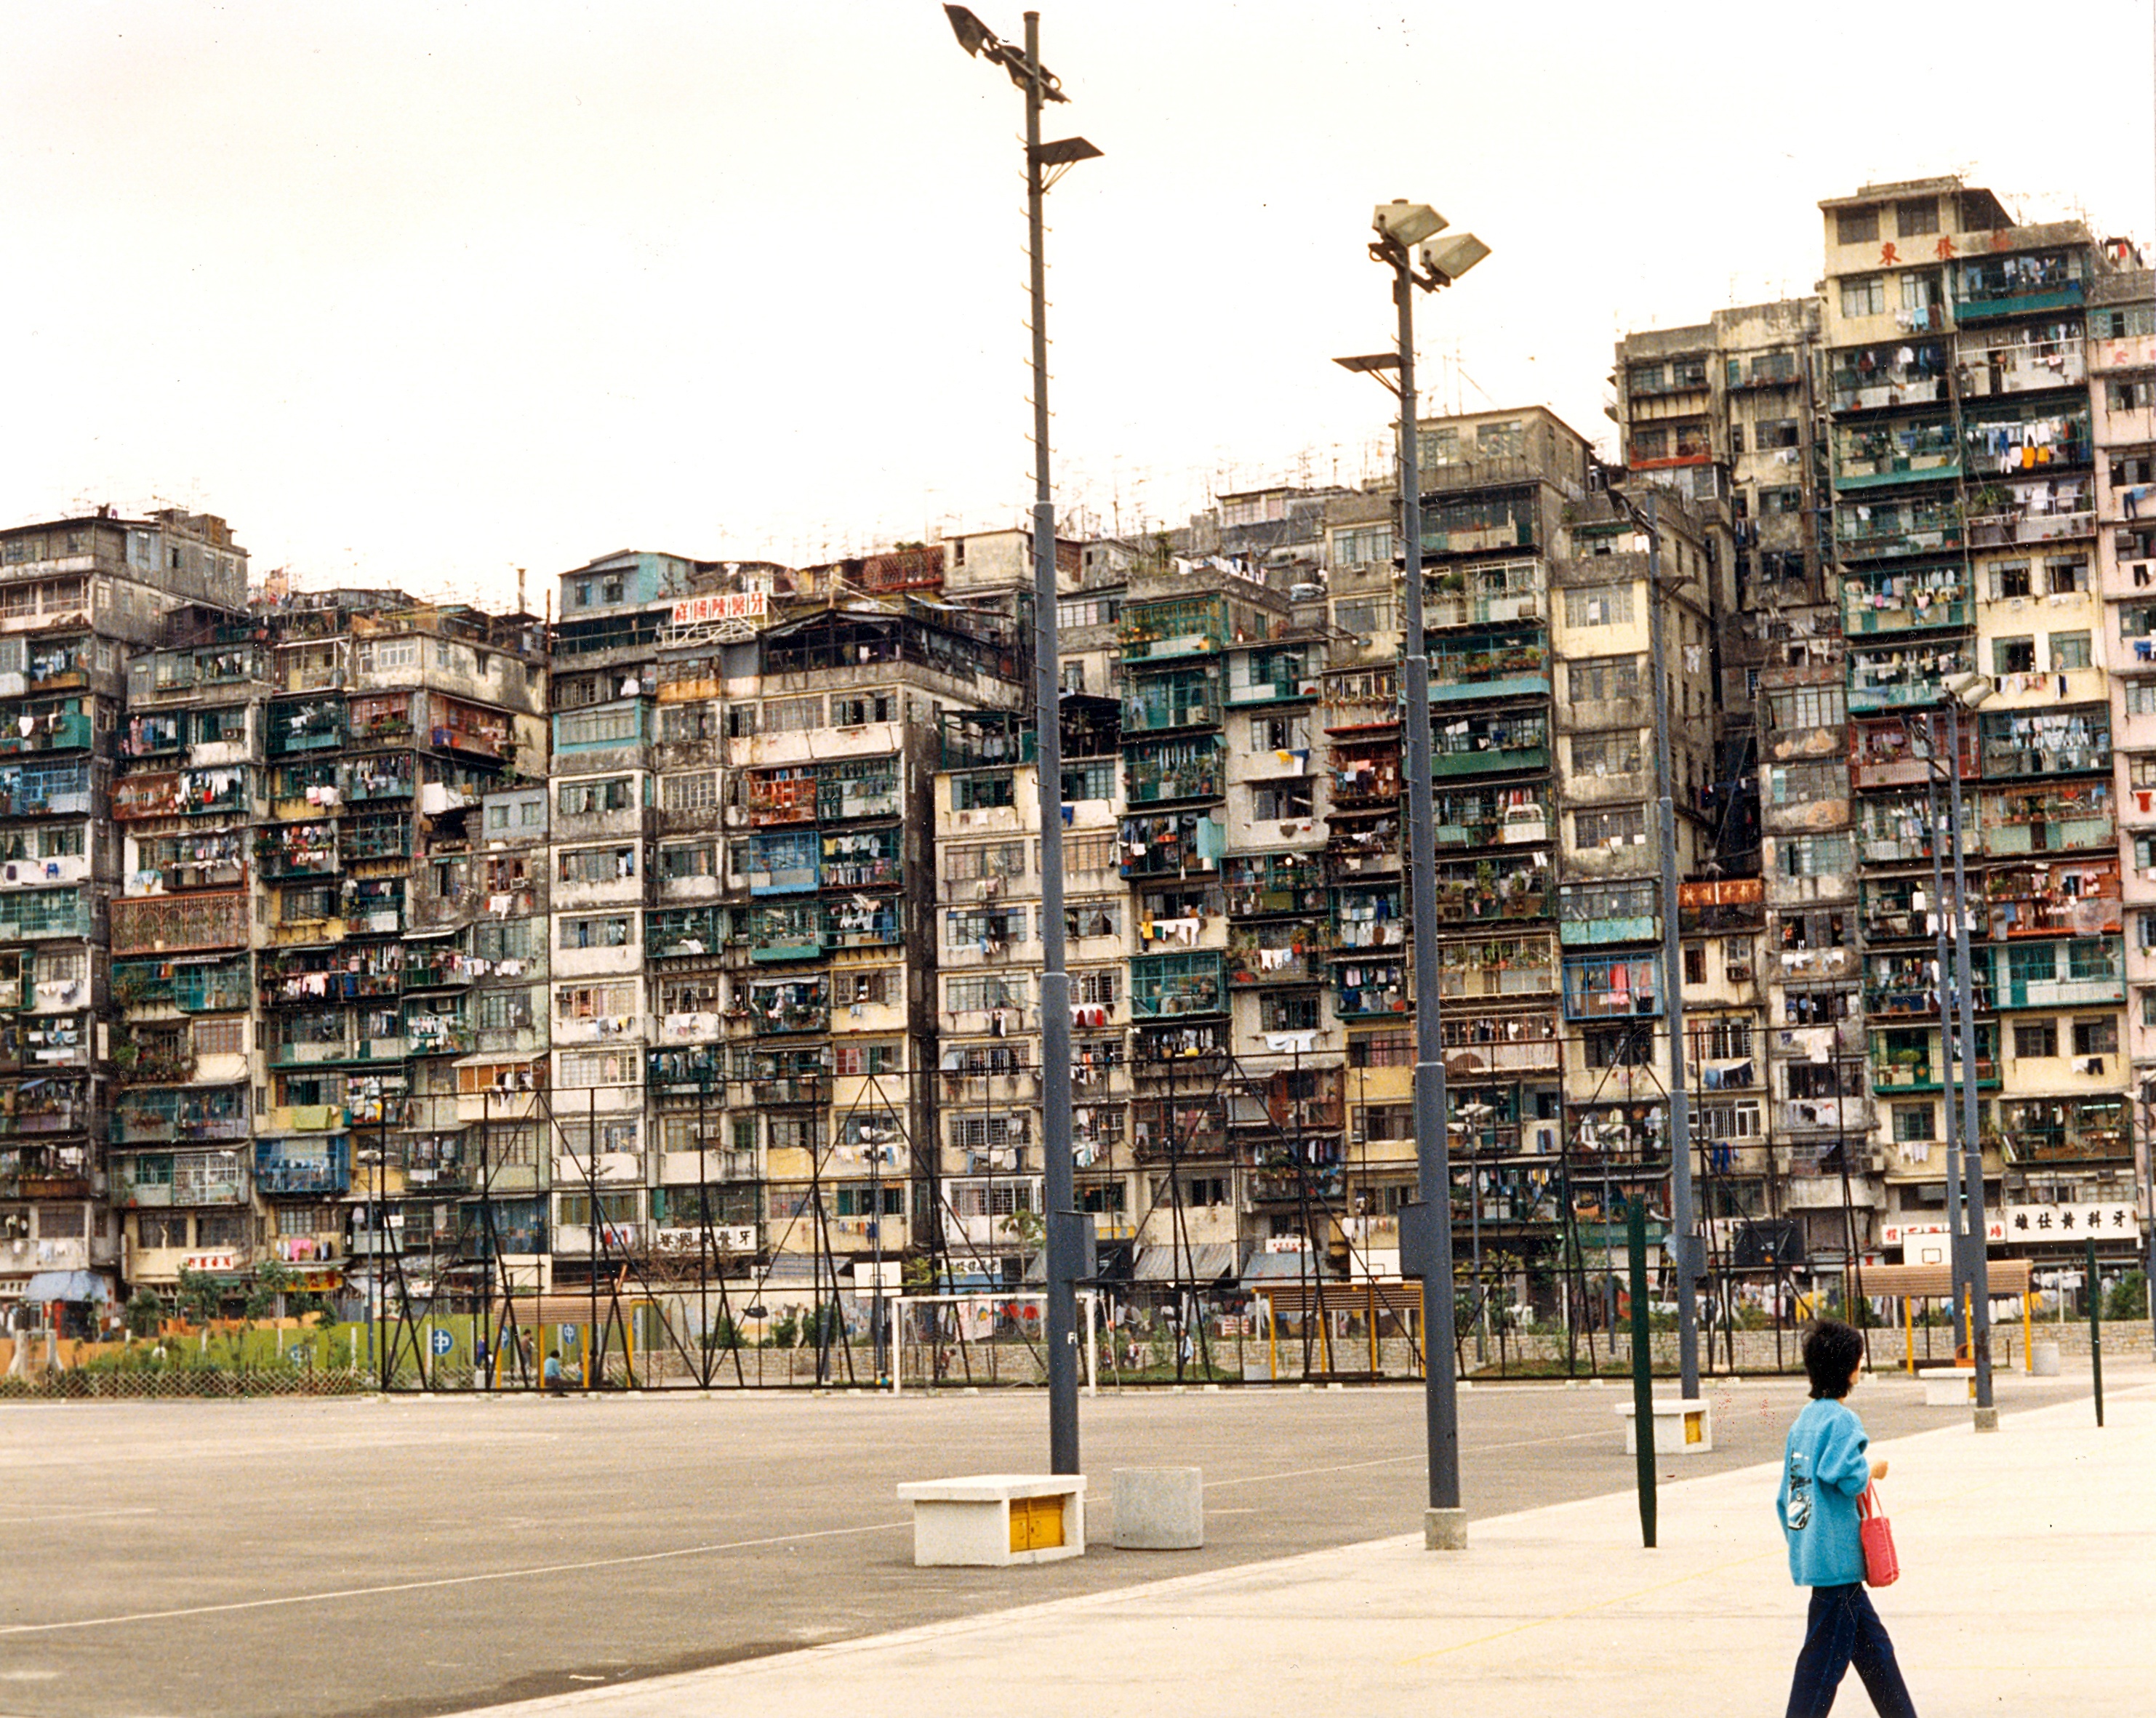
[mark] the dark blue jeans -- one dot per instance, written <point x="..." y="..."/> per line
<point x="1844" y="1630"/>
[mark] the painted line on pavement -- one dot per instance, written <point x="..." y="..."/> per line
<point x="308" y="1599"/>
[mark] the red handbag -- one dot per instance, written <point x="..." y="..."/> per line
<point x="1882" y="1567"/>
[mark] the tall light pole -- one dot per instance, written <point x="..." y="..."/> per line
<point x="1069" y="1235"/>
<point x="1426" y="1227"/>
<point x="1684" y="1238"/>
<point x="1965" y="692"/>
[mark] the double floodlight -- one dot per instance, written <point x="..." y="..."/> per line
<point x="1401" y="226"/>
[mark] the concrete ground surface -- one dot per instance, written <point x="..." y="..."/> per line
<point x="417" y="1556"/>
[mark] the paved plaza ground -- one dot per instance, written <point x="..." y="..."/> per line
<point x="415" y="1555"/>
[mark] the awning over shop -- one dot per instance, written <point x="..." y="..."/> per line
<point x="1202" y="1263"/>
<point x="67" y="1285"/>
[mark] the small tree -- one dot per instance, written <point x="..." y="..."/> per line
<point x="144" y="1312"/>
<point x="266" y="1294"/>
<point x="199" y="1296"/>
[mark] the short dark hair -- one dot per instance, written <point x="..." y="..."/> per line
<point x="1832" y="1352"/>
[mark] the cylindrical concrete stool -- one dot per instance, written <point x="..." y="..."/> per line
<point x="1160" y="1509"/>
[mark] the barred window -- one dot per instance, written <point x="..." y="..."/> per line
<point x="793" y="715"/>
<point x="985" y="990"/>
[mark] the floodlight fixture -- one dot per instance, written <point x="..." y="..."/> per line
<point x="1447" y="260"/>
<point x="1406" y="223"/>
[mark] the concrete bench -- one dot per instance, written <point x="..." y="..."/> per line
<point x="996" y="1519"/>
<point x="1948" y="1386"/>
<point x="1683" y="1425"/>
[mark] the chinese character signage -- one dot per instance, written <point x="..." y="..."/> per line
<point x="2071" y="1223"/>
<point x="726" y="605"/>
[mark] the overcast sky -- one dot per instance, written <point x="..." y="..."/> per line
<point x="421" y="293"/>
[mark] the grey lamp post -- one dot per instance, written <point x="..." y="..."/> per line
<point x="1426" y="1225"/>
<point x="1070" y="1236"/>
<point x="1965" y="692"/>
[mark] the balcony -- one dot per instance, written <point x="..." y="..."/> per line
<point x="1489" y="745"/>
<point x="1251" y="964"/>
<point x="1871" y="530"/>
<point x="1164" y="772"/>
<point x="307" y="1118"/>
<point x="1189" y="626"/>
<point x="1177" y="984"/>
<point x="1161" y="703"/>
<point x="1510" y="667"/>
<point x="1497" y="967"/>
<point x="182" y="793"/>
<point x="2050" y="820"/>
<point x="53" y="731"/>
<point x="1910" y="602"/>
<point x="1902" y="681"/>
<point x="282" y="1167"/>
<point x="1260" y="883"/>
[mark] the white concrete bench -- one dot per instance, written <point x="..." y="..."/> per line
<point x="996" y="1519"/>
<point x="1683" y="1425"/>
<point x="1948" y="1386"/>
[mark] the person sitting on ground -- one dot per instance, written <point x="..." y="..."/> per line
<point x="551" y="1376"/>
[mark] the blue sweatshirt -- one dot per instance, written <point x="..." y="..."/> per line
<point x="1825" y="1466"/>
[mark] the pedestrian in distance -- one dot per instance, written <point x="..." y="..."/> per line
<point x="552" y="1376"/>
<point x="1826" y="1466"/>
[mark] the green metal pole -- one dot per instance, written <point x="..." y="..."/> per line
<point x="1643" y="1382"/>
<point x="2096" y="1330"/>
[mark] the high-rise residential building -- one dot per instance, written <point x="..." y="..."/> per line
<point x="77" y="597"/>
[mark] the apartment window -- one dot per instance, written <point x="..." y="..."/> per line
<point x="1363" y="617"/>
<point x="1598" y="605"/>
<point x="865" y="1061"/>
<point x="1816" y="854"/>
<point x="611" y="932"/>
<point x="1912" y="1123"/>
<point x="2070" y="650"/>
<point x="2067" y="576"/>
<point x="858" y="710"/>
<point x="971" y="992"/>
<point x="680" y="860"/>
<point x="680" y="724"/>
<point x="1093" y="918"/>
<point x="613" y="726"/>
<point x="1089" y="611"/>
<point x="594" y="865"/>
<point x="2141" y="699"/>
<point x="1095" y="778"/>
<point x="1615" y="754"/>
<point x="1097" y="986"/>
<point x="996" y="860"/>
<point x="2096" y="1038"/>
<point x="1280" y="733"/>
<point x="1364" y="546"/>
<point x="1784" y="498"/>
<point x="740" y="722"/>
<point x="1284" y="802"/>
<point x="2035" y="1038"/>
<point x="220" y="1037"/>
<point x="1864" y="295"/>
<point x="1609" y="825"/>
<point x="992" y="929"/>
<point x="1599" y="679"/>
<point x="1916" y="216"/>
<point x="504" y="1010"/>
<point x="1808" y="707"/>
<point x="1616" y="1046"/>
<point x="1806" y="783"/>
<point x="2012" y="656"/>
<point x="698" y="790"/>
<point x="793" y="715"/>
<point x="596" y="1002"/>
<point x="2009" y="579"/>
<point x="1091" y="852"/>
<point x="1856" y="226"/>
<point x="1778" y="432"/>
<point x="1279" y="1012"/>
<point x="583" y="1068"/>
<point x="2122" y="324"/>
<point x="1738" y="1118"/>
<point x="586" y="798"/>
<point x="877" y="987"/>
